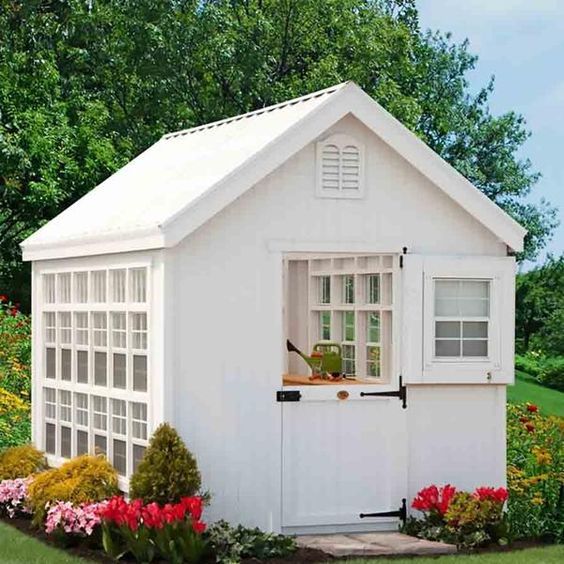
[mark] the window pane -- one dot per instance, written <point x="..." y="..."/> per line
<point x="65" y="328"/>
<point x="50" y="438"/>
<point x="373" y="289"/>
<point x="474" y="307"/>
<point x="81" y="409"/>
<point x="100" y="444"/>
<point x="118" y="330"/>
<point x="373" y="335"/>
<point x="324" y="289"/>
<point x="446" y="307"/>
<point x="447" y="329"/>
<point x="348" y="289"/>
<point x="447" y="288"/>
<point x="66" y="362"/>
<point x="139" y="420"/>
<point x="100" y="409"/>
<point x="138" y="452"/>
<point x="120" y="457"/>
<point x="140" y="373"/>
<point x="325" y="326"/>
<point x="100" y="369"/>
<point x="51" y="363"/>
<point x="139" y="330"/>
<point x="138" y="286"/>
<point x="82" y="367"/>
<point x="49" y="288"/>
<point x="118" y="285"/>
<point x="65" y="442"/>
<point x="475" y="329"/>
<point x="349" y="364"/>
<point x="98" y="286"/>
<point x="373" y="362"/>
<point x="475" y="348"/>
<point x="81" y="328"/>
<point x="81" y="442"/>
<point x="65" y="406"/>
<point x="64" y="287"/>
<point x="100" y="329"/>
<point x="447" y="348"/>
<point x="50" y="327"/>
<point x="50" y="399"/>
<point x="119" y="419"/>
<point x="474" y="289"/>
<point x="81" y="287"/>
<point x="119" y="380"/>
<point x="348" y="326"/>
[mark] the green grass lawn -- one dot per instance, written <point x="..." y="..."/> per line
<point x="17" y="548"/>
<point x="550" y="402"/>
<point x="545" y="555"/>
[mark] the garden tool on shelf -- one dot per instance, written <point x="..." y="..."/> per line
<point x="325" y="361"/>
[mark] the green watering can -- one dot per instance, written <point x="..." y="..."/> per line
<point x="325" y="359"/>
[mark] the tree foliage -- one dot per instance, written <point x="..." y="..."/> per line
<point x="87" y="85"/>
<point x="540" y="308"/>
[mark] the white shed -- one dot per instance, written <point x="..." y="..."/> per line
<point x="168" y="293"/>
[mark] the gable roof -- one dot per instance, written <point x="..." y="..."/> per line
<point x="184" y="179"/>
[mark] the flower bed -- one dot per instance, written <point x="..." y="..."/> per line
<point x="457" y="517"/>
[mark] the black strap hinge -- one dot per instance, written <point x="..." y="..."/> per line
<point x="288" y="395"/>
<point x="401" y="513"/>
<point x="401" y="394"/>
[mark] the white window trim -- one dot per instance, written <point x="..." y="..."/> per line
<point x="341" y="140"/>
<point x="72" y="386"/>
<point x="468" y="369"/>
<point x="337" y="266"/>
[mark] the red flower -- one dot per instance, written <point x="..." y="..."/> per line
<point x="493" y="494"/>
<point x="530" y="427"/>
<point x="198" y="527"/>
<point x="532" y="408"/>
<point x="193" y="505"/>
<point x="523" y="419"/>
<point x="3" y="298"/>
<point x="434" y="499"/>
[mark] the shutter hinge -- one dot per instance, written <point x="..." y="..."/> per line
<point x="288" y="395"/>
<point x="401" y="512"/>
<point x="401" y="394"/>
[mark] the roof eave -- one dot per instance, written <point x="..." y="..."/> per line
<point x="102" y="244"/>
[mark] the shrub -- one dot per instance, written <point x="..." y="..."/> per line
<point x="530" y="363"/>
<point x="462" y="518"/>
<point x="535" y="473"/>
<point x="15" y="421"/>
<point x="14" y="497"/>
<point x="21" y="462"/>
<point x="167" y="472"/>
<point x="172" y="532"/>
<point x="552" y="373"/>
<point x="231" y="544"/>
<point x="84" y="479"/>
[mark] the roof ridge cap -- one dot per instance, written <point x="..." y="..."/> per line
<point x="279" y="105"/>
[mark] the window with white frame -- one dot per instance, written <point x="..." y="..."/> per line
<point x="461" y="318"/>
<point x="95" y="339"/>
<point x="340" y="167"/>
<point x="350" y="303"/>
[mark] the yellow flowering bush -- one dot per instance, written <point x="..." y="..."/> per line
<point x="535" y="473"/>
<point x="15" y="375"/>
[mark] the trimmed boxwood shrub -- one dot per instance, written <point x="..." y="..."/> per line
<point x="20" y="462"/>
<point x="167" y="471"/>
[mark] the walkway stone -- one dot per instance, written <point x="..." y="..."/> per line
<point x="374" y="544"/>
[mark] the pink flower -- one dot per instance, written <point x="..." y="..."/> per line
<point x="13" y="496"/>
<point x="80" y="520"/>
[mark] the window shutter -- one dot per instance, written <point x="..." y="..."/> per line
<point x="350" y="168"/>
<point x="330" y="167"/>
<point x="340" y="167"/>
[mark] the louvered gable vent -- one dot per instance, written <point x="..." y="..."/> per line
<point x="339" y="167"/>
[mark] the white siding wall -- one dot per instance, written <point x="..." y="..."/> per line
<point x="226" y="301"/>
<point x="456" y="435"/>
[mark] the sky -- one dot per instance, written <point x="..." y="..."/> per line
<point x="521" y="43"/>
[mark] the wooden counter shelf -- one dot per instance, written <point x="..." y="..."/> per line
<point x="300" y="380"/>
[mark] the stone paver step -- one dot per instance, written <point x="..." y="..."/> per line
<point x="374" y="544"/>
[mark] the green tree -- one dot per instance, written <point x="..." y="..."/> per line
<point x="540" y="308"/>
<point x="85" y="86"/>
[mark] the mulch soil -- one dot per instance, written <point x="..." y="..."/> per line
<point x="301" y="555"/>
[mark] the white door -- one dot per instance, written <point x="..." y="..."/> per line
<point x="342" y="458"/>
